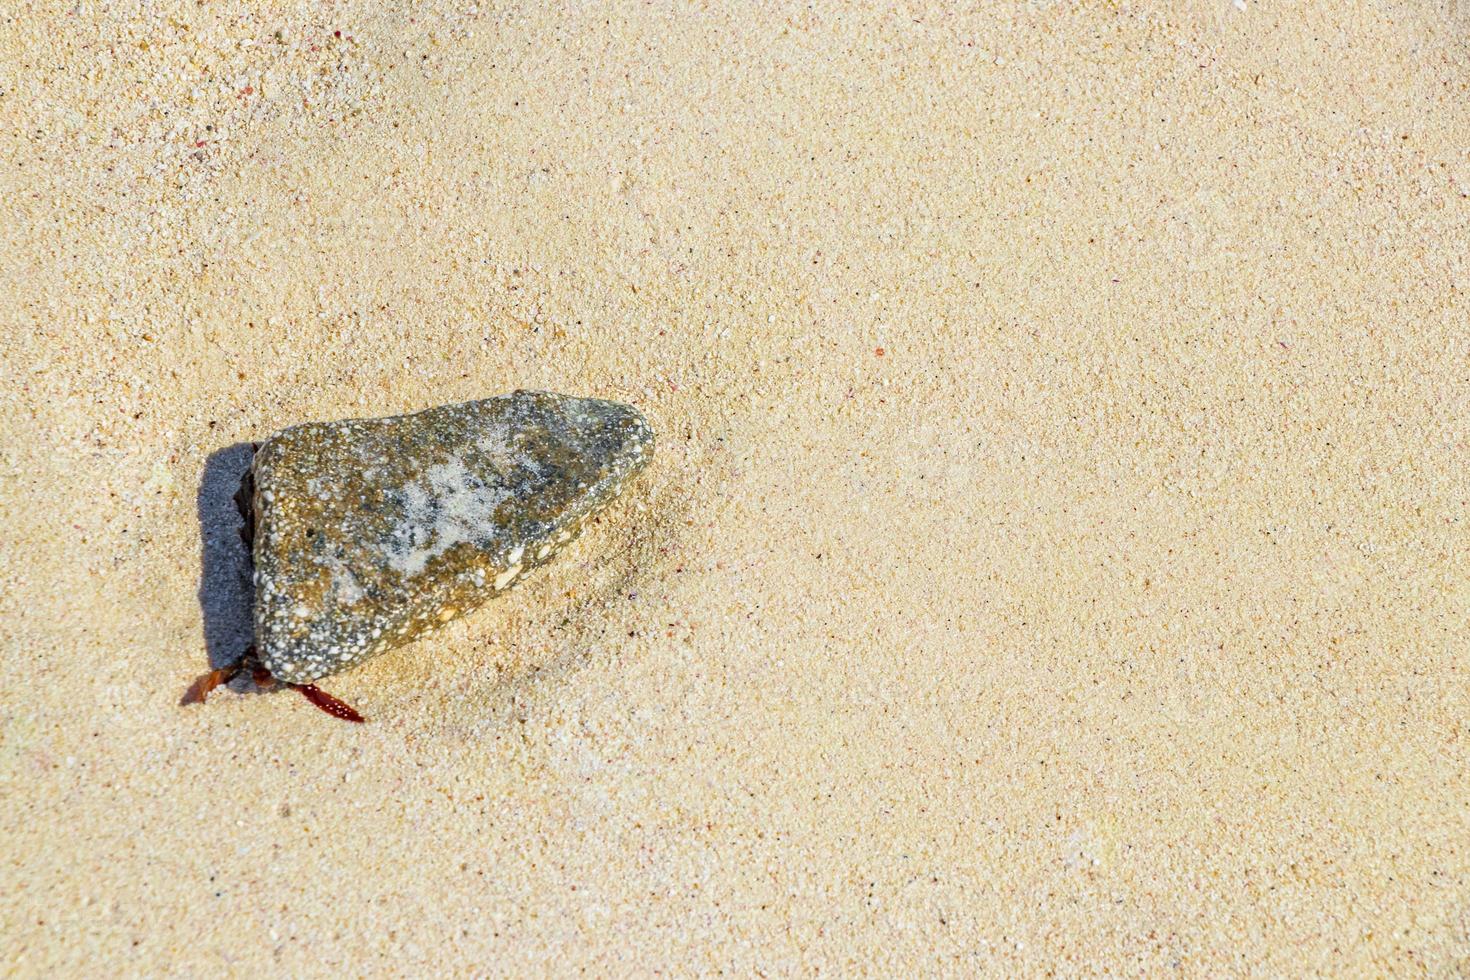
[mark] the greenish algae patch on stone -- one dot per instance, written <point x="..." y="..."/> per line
<point x="369" y="532"/>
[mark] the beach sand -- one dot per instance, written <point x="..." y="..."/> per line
<point x="1057" y="553"/>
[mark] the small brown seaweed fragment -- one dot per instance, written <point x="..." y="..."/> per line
<point x="199" y="690"/>
<point x="367" y="533"/>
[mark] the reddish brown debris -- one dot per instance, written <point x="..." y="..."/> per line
<point x="199" y="690"/>
<point x="332" y="706"/>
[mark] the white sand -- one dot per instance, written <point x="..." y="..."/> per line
<point x="1115" y="618"/>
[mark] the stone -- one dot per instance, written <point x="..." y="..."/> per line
<point x="367" y="533"/>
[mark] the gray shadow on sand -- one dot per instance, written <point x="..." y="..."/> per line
<point x="226" y="587"/>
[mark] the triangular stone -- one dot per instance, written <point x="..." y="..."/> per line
<point x="369" y="532"/>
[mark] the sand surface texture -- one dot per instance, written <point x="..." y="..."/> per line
<point x="1055" y="555"/>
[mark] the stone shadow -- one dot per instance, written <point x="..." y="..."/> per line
<point x="226" y="587"/>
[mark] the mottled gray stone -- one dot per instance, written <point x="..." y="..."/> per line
<point x="368" y="532"/>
